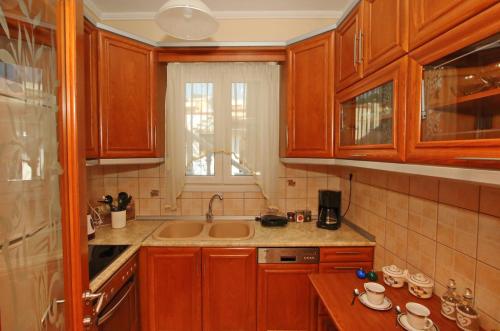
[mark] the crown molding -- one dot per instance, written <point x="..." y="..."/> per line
<point x="89" y="5"/>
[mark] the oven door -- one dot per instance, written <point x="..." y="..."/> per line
<point x="121" y="313"/>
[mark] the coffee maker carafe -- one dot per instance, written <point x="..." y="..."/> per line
<point x="329" y="209"/>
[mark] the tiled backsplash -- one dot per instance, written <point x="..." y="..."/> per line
<point x="445" y="229"/>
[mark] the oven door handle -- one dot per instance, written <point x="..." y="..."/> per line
<point x="110" y="312"/>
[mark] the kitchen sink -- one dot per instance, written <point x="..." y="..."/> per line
<point x="231" y="230"/>
<point x="179" y="229"/>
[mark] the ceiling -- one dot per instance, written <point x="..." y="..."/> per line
<point x="129" y="9"/>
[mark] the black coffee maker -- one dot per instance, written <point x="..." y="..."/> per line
<point x="329" y="210"/>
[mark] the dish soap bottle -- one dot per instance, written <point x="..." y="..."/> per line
<point x="449" y="301"/>
<point x="467" y="316"/>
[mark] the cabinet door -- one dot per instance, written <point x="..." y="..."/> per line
<point x="310" y="113"/>
<point x="454" y="106"/>
<point x="170" y="289"/>
<point x="91" y="101"/>
<point x="385" y="33"/>
<point x="431" y="18"/>
<point x="348" y="64"/>
<point x="285" y="299"/>
<point x="325" y="323"/>
<point x="229" y="289"/>
<point x="127" y="86"/>
<point x="124" y="318"/>
<point x="370" y="116"/>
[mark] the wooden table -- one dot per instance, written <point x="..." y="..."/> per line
<point x="335" y="291"/>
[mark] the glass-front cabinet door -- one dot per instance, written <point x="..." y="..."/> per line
<point x="370" y="116"/>
<point x="455" y="97"/>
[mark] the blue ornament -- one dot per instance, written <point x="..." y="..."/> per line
<point x="360" y="273"/>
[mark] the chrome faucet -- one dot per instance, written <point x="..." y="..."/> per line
<point x="209" y="215"/>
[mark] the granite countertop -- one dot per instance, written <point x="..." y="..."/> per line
<point x="138" y="233"/>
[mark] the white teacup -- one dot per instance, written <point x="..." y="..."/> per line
<point x="418" y="316"/>
<point x="375" y="293"/>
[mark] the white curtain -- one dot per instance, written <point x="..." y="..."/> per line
<point x="259" y="150"/>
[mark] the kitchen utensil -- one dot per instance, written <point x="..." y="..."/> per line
<point x="355" y="294"/>
<point x="397" y="310"/>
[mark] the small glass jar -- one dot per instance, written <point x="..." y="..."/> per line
<point x="449" y="301"/>
<point x="467" y="316"/>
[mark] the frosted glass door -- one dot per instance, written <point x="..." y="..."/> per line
<point x="31" y="269"/>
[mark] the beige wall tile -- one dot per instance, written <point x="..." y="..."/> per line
<point x="398" y="182"/>
<point x="234" y="207"/>
<point x="422" y="253"/>
<point x="379" y="179"/>
<point x="457" y="228"/>
<point x="255" y="207"/>
<point x="296" y="170"/>
<point x="282" y="182"/>
<point x="312" y="205"/>
<point x="253" y="195"/>
<point x="164" y="211"/>
<point x="217" y="206"/>
<point x="146" y="185"/>
<point x="379" y="258"/>
<point x="390" y="258"/>
<point x="488" y="248"/>
<point x="191" y="195"/>
<point x="129" y="185"/>
<point x="125" y="171"/>
<point x="295" y="204"/>
<point x="110" y="186"/>
<point x="161" y="169"/>
<point x="397" y="208"/>
<point x="149" y="207"/>
<point x="422" y="216"/>
<point x="424" y="187"/>
<point x="317" y="170"/>
<point x="396" y="239"/>
<point x="234" y="195"/>
<point x="490" y="201"/>
<point x="191" y="207"/>
<point x="333" y="183"/>
<point x="315" y="184"/>
<point x="459" y="194"/>
<point x="109" y="171"/>
<point x="378" y="201"/>
<point x="376" y="226"/>
<point x="453" y="264"/>
<point x="488" y="289"/>
<point x="299" y="190"/>
<point x="149" y="170"/>
<point x="487" y="322"/>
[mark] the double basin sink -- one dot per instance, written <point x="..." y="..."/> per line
<point x="201" y="230"/>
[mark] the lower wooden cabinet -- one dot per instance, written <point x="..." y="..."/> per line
<point x="285" y="299"/>
<point x="325" y="323"/>
<point x="170" y="282"/>
<point x="125" y="317"/>
<point x="229" y="289"/>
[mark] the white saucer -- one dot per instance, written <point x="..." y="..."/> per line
<point x="403" y="321"/>
<point x="386" y="305"/>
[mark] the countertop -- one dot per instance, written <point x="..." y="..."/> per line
<point x="335" y="292"/>
<point x="137" y="233"/>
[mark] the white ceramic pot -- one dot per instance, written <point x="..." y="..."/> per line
<point x="394" y="276"/>
<point x="118" y="219"/>
<point x="420" y="285"/>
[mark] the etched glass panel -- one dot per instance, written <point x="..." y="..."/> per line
<point x="367" y="119"/>
<point x="31" y="272"/>
<point x="461" y="94"/>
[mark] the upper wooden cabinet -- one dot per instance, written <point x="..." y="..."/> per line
<point x="91" y="100"/>
<point x="385" y="33"/>
<point x="370" y="116"/>
<point x="129" y="110"/>
<point x="373" y="35"/>
<point x="229" y="289"/>
<point x="431" y="18"/>
<point x="309" y="112"/>
<point x="454" y="98"/>
<point x="348" y="67"/>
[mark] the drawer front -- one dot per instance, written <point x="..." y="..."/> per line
<point x="336" y="267"/>
<point x="346" y="254"/>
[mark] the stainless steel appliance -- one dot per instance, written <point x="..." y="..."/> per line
<point x="303" y="255"/>
<point x="329" y="209"/>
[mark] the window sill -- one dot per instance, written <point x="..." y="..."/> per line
<point x="190" y="187"/>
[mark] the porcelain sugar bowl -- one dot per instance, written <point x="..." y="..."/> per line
<point x="394" y="276"/>
<point x="420" y="285"/>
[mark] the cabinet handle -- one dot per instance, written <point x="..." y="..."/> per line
<point x="347" y="253"/>
<point x="476" y="158"/>
<point x="346" y="268"/>
<point x="360" y="47"/>
<point x="359" y="155"/>
<point x="355" y="51"/>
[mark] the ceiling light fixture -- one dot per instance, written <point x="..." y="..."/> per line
<point x="187" y="19"/>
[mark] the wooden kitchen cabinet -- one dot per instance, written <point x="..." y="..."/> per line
<point x="431" y="18"/>
<point x="345" y="259"/>
<point x="91" y="98"/>
<point x="325" y="323"/>
<point x="370" y="116"/>
<point x="229" y="289"/>
<point x="348" y="67"/>
<point x="309" y="110"/>
<point x="170" y="281"/>
<point x="285" y="298"/>
<point x="125" y="316"/>
<point x="130" y="110"/>
<point x="385" y="33"/>
<point x="454" y="96"/>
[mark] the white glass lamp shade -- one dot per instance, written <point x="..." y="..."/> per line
<point x="187" y="19"/>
